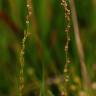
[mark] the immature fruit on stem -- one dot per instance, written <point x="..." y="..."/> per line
<point x="66" y="47"/>
<point x="26" y="34"/>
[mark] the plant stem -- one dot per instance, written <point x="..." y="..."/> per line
<point x="86" y="79"/>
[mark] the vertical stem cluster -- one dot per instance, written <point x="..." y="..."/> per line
<point x="26" y="34"/>
<point x="66" y="47"/>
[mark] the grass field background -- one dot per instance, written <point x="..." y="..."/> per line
<point x="44" y="52"/>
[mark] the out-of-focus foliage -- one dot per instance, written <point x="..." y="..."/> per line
<point x="45" y="47"/>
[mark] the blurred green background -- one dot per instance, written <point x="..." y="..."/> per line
<point x="44" y="53"/>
